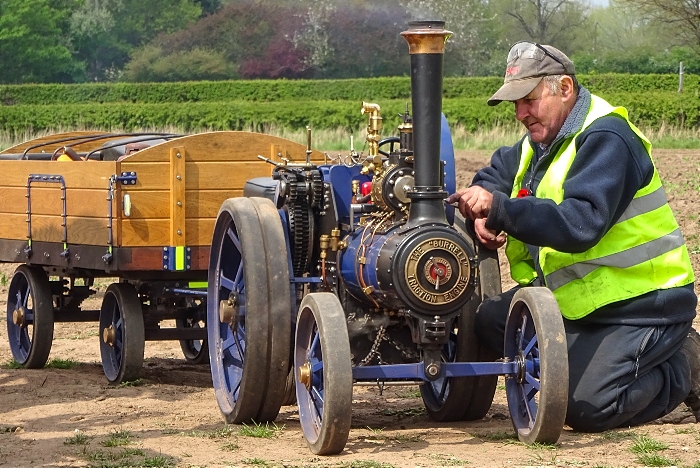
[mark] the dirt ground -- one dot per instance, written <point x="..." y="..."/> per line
<point x="72" y="417"/>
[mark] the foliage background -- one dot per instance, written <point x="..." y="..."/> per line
<point x="77" y="41"/>
<point x="248" y="64"/>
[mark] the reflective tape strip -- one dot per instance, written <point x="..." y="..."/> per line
<point x="645" y="204"/>
<point x="624" y="259"/>
<point x="179" y="258"/>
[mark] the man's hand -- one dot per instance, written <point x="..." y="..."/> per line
<point x="491" y="239"/>
<point x="474" y="202"/>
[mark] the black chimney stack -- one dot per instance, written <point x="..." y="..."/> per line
<point x="426" y="44"/>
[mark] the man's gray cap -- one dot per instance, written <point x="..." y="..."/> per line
<point x="526" y="69"/>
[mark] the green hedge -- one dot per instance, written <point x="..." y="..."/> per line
<point x="647" y="109"/>
<point x="370" y="89"/>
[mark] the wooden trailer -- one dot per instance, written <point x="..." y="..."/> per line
<point x="137" y="207"/>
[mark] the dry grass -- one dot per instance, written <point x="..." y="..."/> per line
<point x="339" y="139"/>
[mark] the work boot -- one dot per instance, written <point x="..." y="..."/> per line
<point x="691" y="350"/>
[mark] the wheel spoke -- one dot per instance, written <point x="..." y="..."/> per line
<point x="314" y="349"/>
<point x="239" y="338"/>
<point x="317" y="400"/>
<point x="228" y="342"/>
<point x="233" y="380"/>
<point x="28" y="316"/>
<point x="23" y="299"/>
<point x="238" y="281"/>
<point x="24" y="341"/>
<point x="234" y="238"/>
<point x="530" y="345"/>
<point x="529" y="407"/>
<point x="521" y="331"/>
<point x="237" y="357"/>
<point x="317" y="368"/>
<point x="226" y="284"/>
<point x="534" y="384"/>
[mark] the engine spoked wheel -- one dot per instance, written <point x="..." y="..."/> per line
<point x="535" y="339"/>
<point x="249" y="310"/>
<point x="122" y="334"/>
<point x="466" y="398"/>
<point x="323" y="367"/>
<point x="195" y="351"/>
<point x="290" y="393"/>
<point x="30" y="317"/>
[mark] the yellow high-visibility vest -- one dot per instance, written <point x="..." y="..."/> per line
<point x="643" y="251"/>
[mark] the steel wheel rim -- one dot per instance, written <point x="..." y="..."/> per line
<point x="523" y="388"/>
<point x="192" y="349"/>
<point x="19" y="336"/>
<point x="230" y="343"/>
<point x="308" y="350"/>
<point x="112" y="317"/>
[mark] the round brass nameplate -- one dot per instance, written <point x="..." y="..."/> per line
<point x="437" y="271"/>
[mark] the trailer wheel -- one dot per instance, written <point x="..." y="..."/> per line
<point x="249" y="310"/>
<point x="466" y="398"/>
<point x="323" y="366"/>
<point x="195" y="351"/>
<point x="30" y="317"/>
<point x="535" y="339"/>
<point x="121" y="333"/>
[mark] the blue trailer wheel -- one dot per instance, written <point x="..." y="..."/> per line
<point x="249" y="310"/>
<point x="195" y="351"/>
<point x="535" y="339"/>
<point x="323" y="367"/>
<point x="30" y="317"/>
<point x="122" y="334"/>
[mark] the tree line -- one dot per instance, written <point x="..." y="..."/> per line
<point x="77" y="41"/>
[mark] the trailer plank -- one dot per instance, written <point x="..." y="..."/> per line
<point x="156" y="232"/>
<point x="47" y="201"/>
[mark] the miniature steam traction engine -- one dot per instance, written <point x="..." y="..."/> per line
<point x="358" y="272"/>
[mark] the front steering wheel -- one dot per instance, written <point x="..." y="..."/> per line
<point x="391" y="141"/>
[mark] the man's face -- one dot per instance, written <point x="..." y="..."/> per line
<point x="542" y="113"/>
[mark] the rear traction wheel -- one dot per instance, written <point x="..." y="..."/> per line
<point x="249" y="310"/>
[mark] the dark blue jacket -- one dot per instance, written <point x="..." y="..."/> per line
<point x="611" y="165"/>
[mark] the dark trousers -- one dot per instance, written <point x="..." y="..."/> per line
<point x="619" y="375"/>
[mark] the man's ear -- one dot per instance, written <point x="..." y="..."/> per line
<point x="567" y="88"/>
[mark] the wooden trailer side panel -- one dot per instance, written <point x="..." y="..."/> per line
<point x="178" y="189"/>
<point x="32" y="195"/>
<point x="181" y="184"/>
